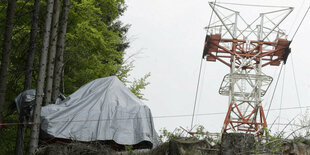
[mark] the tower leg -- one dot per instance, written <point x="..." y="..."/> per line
<point x="253" y="123"/>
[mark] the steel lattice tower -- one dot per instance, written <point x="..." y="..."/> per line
<point x="246" y="48"/>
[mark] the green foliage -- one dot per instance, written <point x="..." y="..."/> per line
<point x="274" y="145"/>
<point x="20" y="41"/>
<point x="95" y="42"/>
<point x="129" y="149"/>
<point x="138" y="85"/>
<point x="302" y="125"/>
<point x="200" y="134"/>
<point x="95" y="48"/>
<point x="22" y="25"/>
<point x="166" y="135"/>
<point x="271" y="144"/>
<point x="7" y="141"/>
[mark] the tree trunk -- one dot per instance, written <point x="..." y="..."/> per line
<point x="52" y="53"/>
<point x="35" y="129"/>
<point x="60" y="49"/>
<point x="62" y="88"/>
<point x="6" y="54"/>
<point x="32" y="45"/>
<point x="19" y="148"/>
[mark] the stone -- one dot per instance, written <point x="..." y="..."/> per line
<point x="188" y="146"/>
<point x="237" y="143"/>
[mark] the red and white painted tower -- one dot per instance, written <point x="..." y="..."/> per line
<point x="246" y="47"/>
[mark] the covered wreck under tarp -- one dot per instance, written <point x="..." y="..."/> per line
<point x="101" y="110"/>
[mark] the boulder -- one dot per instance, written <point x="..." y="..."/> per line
<point x="295" y="148"/>
<point x="188" y="146"/>
<point x="237" y="143"/>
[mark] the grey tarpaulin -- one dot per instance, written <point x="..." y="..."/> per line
<point x="25" y="100"/>
<point x="103" y="109"/>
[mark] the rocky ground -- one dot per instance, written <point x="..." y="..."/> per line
<point x="186" y="146"/>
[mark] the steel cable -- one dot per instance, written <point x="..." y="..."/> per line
<point x="275" y="88"/>
<point x="197" y="88"/>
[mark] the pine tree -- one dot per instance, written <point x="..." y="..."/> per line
<point x="60" y="49"/>
<point x="6" y="54"/>
<point x="35" y="129"/>
<point x="32" y="45"/>
<point x="52" y="53"/>
<point x="19" y="147"/>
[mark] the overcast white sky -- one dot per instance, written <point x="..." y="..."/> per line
<point x="169" y="34"/>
